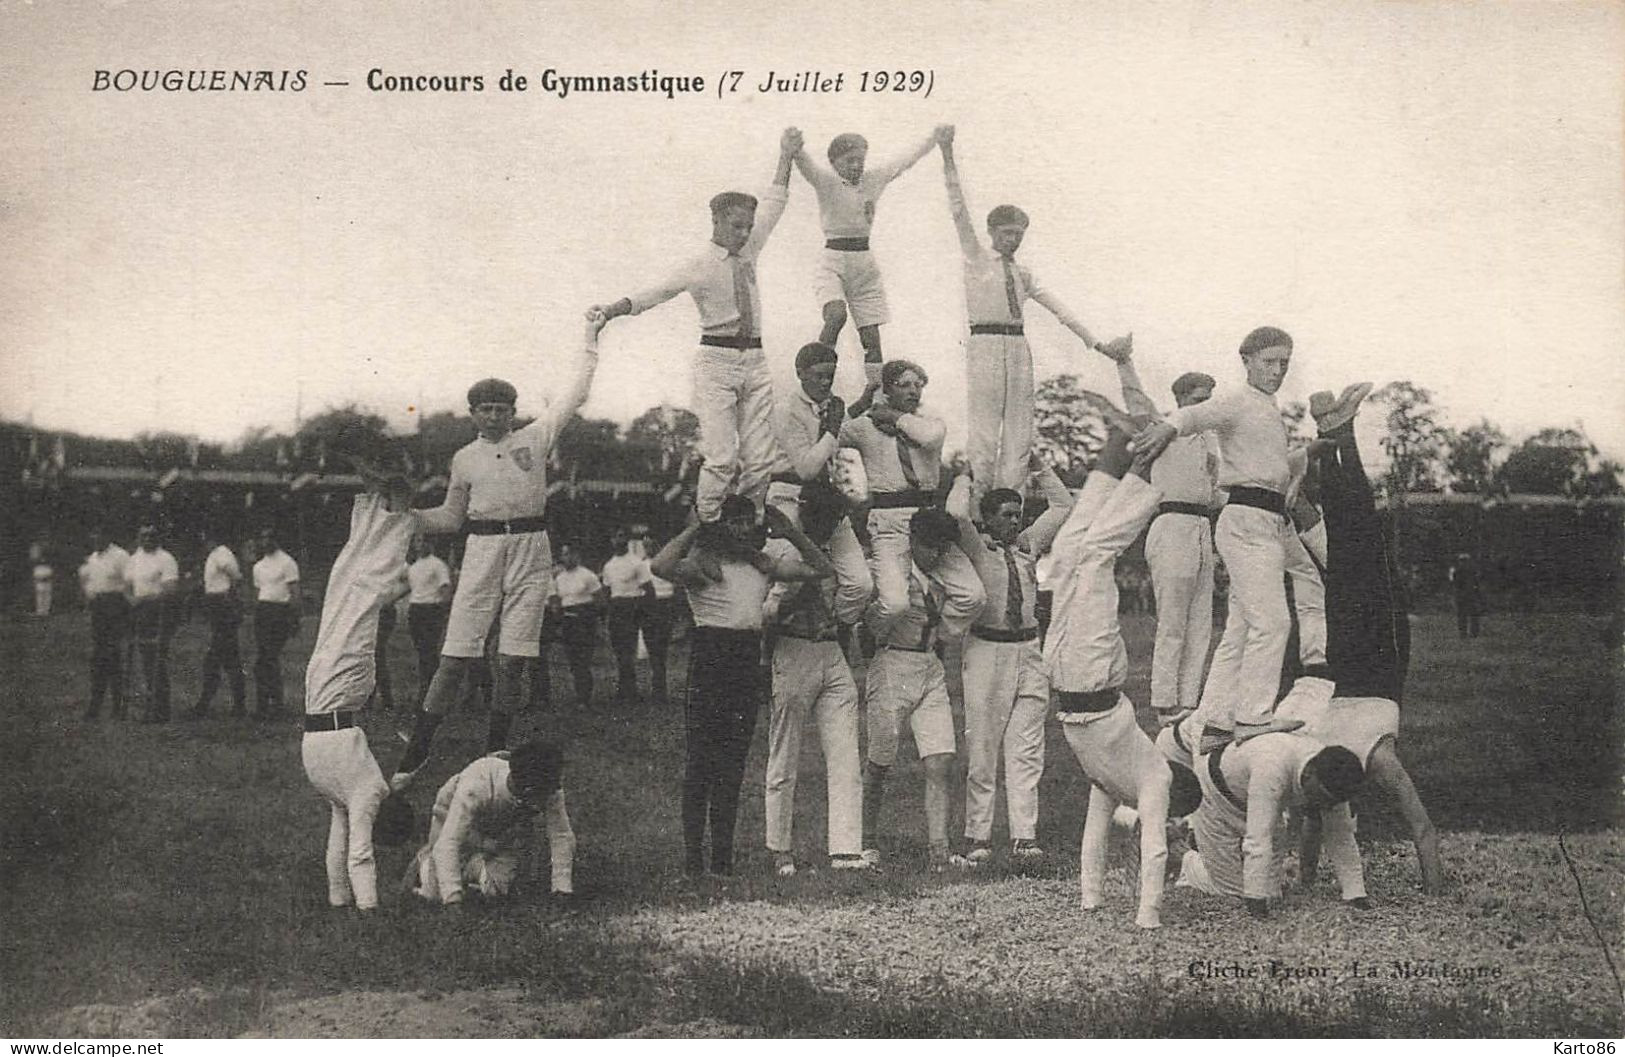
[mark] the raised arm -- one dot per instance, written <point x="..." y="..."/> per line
<point x="958" y="504"/>
<point x="771" y="206"/>
<point x="1037" y="537"/>
<point x="1042" y="294"/>
<point x="821" y="177"/>
<point x="580" y="383"/>
<point x="670" y="563"/>
<point x="892" y="168"/>
<point x="814" y="564"/>
<point x="809" y="449"/>
<point x="963" y="225"/>
<point x="1135" y="398"/>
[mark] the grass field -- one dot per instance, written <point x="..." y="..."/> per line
<point x="166" y="880"/>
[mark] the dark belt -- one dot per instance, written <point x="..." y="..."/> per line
<point x="1012" y="330"/>
<point x="730" y="341"/>
<point x="908" y="649"/>
<point x="848" y="245"/>
<point x="786" y="633"/>
<point x="1006" y="634"/>
<point x="1215" y="772"/>
<point x="1179" y="739"/>
<point x="316" y="722"/>
<point x="1194" y="509"/>
<point x="1261" y="498"/>
<point x="786" y="477"/>
<point x="898" y="500"/>
<point x="505" y="528"/>
<point x="716" y="634"/>
<point x="1088" y="700"/>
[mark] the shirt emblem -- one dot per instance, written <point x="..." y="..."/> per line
<point x="523" y="458"/>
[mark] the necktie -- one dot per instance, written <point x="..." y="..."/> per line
<point x="1012" y="591"/>
<point x="743" y="282"/>
<point x="903" y="461"/>
<point x="1011" y="293"/>
<point x="933" y="615"/>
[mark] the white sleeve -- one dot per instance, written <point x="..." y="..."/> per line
<point x="448" y="849"/>
<point x="561" y="843"/>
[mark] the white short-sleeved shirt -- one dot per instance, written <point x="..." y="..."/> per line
<point x="220" y="571"/>
<point x="736" y="602"/>
<point x="430" y="581"/>
<point x="576" y="587"/>
<point x="274" y="577"/>
<point x="506" y="478"/>
<point x="625" y="575"/>
<point x="148" y="571"/>
<point x="103" y="572"/>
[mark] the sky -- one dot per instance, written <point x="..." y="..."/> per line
<point x="1422" y="191"/>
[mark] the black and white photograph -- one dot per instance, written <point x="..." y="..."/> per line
<point x="1150" y="477"/>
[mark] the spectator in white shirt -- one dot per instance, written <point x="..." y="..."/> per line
<point x="626" y="578"/>
<point x="153" y="578"/>
<point x="101" y="578"/>
<point x="429" y="602"/>
<point x="577" y="601"/>
<point x="276" y="619"/>
<point x="223" y="608"/>
<point x="658" y="619"/>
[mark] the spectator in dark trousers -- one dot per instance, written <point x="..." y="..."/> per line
<point x="577" y="602"/>
<point x="428" y="605"/>
<point x="101" y="577"/>
<point x="659" y="617"/>
<point x="153" y="580"/>
<point x="223" y="609"/>
<point x="626" y="577"/>
<point x="276" y="619"/>
<point x="727" y="581"/>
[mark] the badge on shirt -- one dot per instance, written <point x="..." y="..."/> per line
<point x="522" y="457"/>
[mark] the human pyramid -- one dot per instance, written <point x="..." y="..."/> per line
<point x="777" y="558"/>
